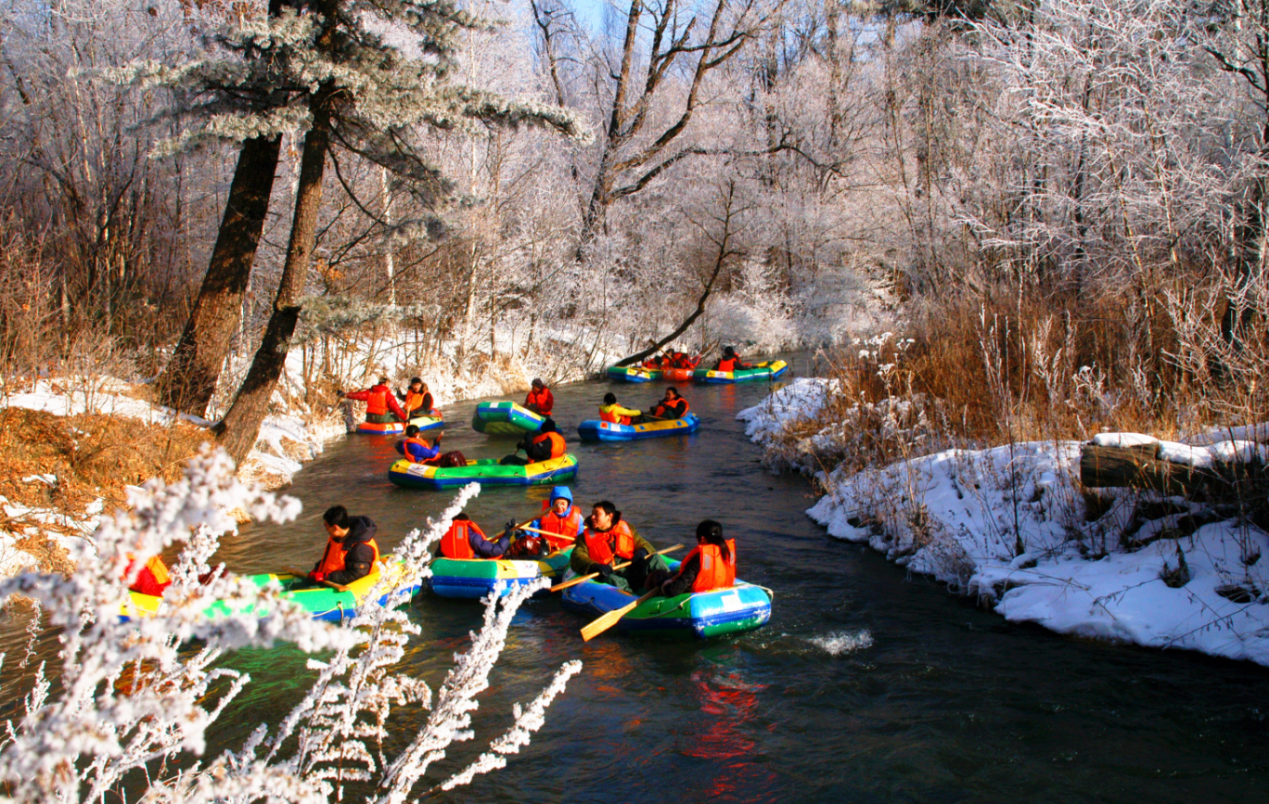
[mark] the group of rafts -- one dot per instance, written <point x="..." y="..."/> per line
<point x="740" y="607"/>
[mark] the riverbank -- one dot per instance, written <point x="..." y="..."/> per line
<point x="1012" y="526"/>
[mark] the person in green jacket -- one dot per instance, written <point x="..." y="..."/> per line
<point x="608" y="540"/>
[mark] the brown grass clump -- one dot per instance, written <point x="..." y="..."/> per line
<point x="92" y="456"/>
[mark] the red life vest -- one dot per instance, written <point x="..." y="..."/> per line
<point x="157" y="571"/>
<point x="728" y="364"/>
<point x="539" y="402"/>
<point x="335" y="555"/>
<point x="455" y="543"/>
<point x="418" y="404"/>
<point x="558" y="446"/>
<point x="663" y="409"/>
<point x="617" y="541"/>
<point x="561" y="531"/>
<point x="377" y="402"/>
<point x="715" y="573"/>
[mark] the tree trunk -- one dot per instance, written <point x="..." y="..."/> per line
<point x="237" y="432"/>
<point x="188" y="382"/>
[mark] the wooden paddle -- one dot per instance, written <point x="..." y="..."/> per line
<point x="576" y="581"/>
<point x="302" y="574"/>
<point x="610" y="619"/>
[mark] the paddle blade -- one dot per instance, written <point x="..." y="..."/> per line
<point x="610" y="619"/>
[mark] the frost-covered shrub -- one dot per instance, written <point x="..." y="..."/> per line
<point x="130" y="708"/>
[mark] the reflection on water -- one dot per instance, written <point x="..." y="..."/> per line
<point x="866" y="685"/>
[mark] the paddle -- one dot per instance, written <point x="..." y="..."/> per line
<point x="576" y="581"/>
<point x="610" y="619"/>
<point x="302" y="574"/>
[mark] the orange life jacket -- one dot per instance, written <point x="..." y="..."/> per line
<point x="727" y="365"/>
<point x="156" y="567"/>
<point x="561" y="531"/>
<point x="333" y="558"/>
<point x="422" y="442"/>
<point x="715" y="573"/>
<point x="606" y="415"/>
<point x="558" y="446"/>
<point x="663" y="408"/>
<point x="455" y="543"/>
<point x="618" y="541"/>
<point x="418" y="402"/>
<point x="377" y="402"/>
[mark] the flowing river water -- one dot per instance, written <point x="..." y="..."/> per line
<point x="866" y="685"/>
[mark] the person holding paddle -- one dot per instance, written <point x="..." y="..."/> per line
<point x="351" y="551"/>
<point x="712" y="565"/>
<point x="672" y="406"/>
<point x="608" y="540"/>
<point x="562" y="524"/>
<point x="465" y="539"/>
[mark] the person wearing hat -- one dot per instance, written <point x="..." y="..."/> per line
<point x="730" y="361"/>
<point x="616" y="414"/>
<point x="540" y="399"/>
<point x="381" y="405"/>
<point x="562" y="523"/>
<point x="545" y="444"/>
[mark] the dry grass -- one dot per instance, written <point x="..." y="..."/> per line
<point x="92" y="456"/>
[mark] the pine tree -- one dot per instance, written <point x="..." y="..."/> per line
<point x="365" y="76"/>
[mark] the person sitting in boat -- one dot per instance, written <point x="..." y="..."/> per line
<point x="609" y="540"/>
<point x="417" y="449"/>
<point x="730" y="361"/>
<point x="152" y="579"/>
<point x="351" y="551"/>
<point x="671" y="406"/>
<point x="545" y="444"/>
<point x="682" y="361"/>
<point x="563" y="523"/>
<point x="418" y="400"/>
<point x="616" y="414"/>
<point x="465" y="539"/>
<point x="712" y="565"/>
<point x="540" y="399"/>
<point x="381" y="405"/>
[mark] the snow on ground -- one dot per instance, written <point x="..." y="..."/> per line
<point x="1011" y="525"/>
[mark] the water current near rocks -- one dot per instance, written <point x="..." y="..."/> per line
<point x="867" y="684"/>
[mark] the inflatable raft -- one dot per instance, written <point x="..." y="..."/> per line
<point x="505" y="418"/>
<point x="633" y="374"/>
<point x="595" y="430"/>
<point x="742" y="607"/>
<point x="323" y="602"/>
<point x="486" y="471"/>
<point x="760" y="371"/>
<point x="678" y="374"/>
<point x="397" y="428"/>
<point x="477" y="577"/>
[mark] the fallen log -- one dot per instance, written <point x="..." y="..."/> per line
<point x="1140" y="467"/>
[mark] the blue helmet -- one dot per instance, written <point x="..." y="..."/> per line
<point x="561" y="492"/>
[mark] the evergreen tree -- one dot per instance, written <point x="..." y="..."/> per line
<point x="364" y="76"/>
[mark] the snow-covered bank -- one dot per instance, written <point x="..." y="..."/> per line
<point x="1012" y="525"/>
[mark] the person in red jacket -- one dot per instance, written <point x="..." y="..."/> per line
<point x="540" y="399"/>
<point x="381" y="404"/>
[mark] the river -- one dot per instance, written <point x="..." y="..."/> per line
<point x="866" y="685"/>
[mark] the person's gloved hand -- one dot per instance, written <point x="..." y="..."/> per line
<point x="603" y="570"/>
<point x="511" y="526"/>
<point x="640" y="554"/>
<point x="317" y="577"/>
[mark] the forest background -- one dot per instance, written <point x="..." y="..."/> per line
<point x="1060" y="206"/>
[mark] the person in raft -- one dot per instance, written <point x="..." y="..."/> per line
<point x="730" y="361"/>
<point x="545" y="444"/>
<point x="616" y="414"/>
<point x="562" y="523"/>
<point x="465" y="539"/>
<point x="351" y="551"/>
<point x="712" y="565"/>
<point x="417" y="449"/>
<point x="540" y="399"/>
<point x="418" y="400"/>
<point x="609" y="540"/>
<point x="381" y="405"/>
<point x="671" y="406"/>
